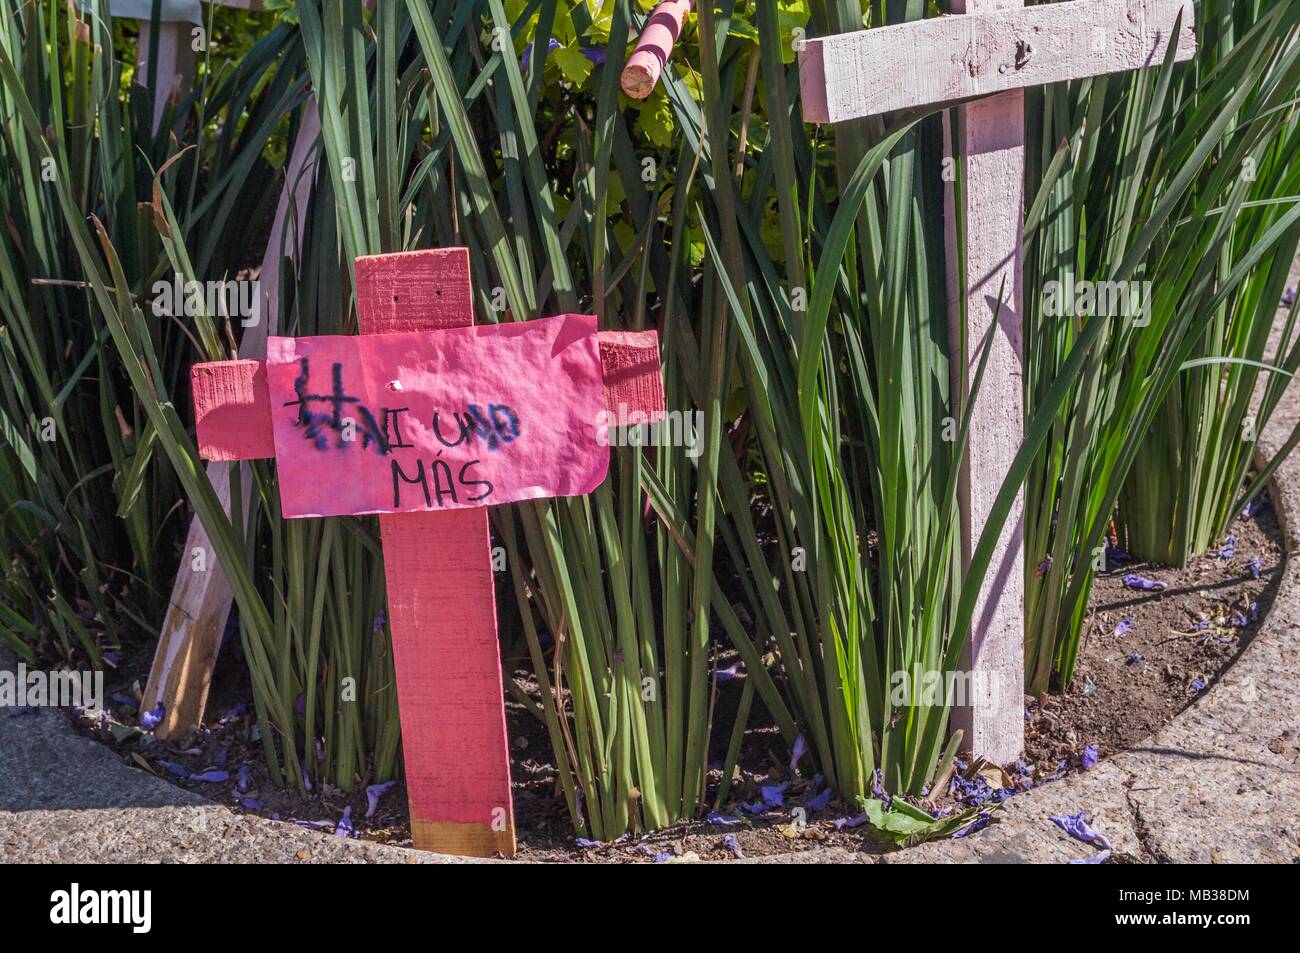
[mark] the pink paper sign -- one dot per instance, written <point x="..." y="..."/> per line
<point x="396" y="423"/>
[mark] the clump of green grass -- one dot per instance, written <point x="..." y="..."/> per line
<point x="1143" y="178"/>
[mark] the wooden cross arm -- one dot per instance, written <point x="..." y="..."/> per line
<point x="950" y="58"/>
<point x="232" y="406"/>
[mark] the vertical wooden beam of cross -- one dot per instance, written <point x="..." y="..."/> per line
<point x="442" y="605"/>
<point x="991" y="150"/>
<point x="175" y="61"/>
<point x="993" y="49"/>
<point x="413" y="309"/>
<point x="173" y="52"/>
<point x="200" y="600"/>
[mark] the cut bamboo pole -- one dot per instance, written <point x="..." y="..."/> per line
<point x="653" y="49"/>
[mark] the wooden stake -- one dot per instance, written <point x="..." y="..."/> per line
<point x="992" y="150"/>
<point x="442" y="604"/>
<point x="200" y="599"/>
<point x="175" y="66"/>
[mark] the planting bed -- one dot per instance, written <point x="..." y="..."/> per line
<point x="1131" y="679"/>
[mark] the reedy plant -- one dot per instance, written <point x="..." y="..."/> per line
<point x="1186" y="484"/>
<point x="1139" y="178"/>
<point x="848" y="387"/>
<point x="88" y="506"/>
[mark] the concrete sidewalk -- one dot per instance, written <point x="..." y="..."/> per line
<point x="67" y="799"/>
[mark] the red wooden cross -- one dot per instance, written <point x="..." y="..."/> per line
<point x="437" y="563"/>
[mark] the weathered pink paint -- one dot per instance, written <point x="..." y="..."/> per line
<point x="654" y="47"/>
<point x="995" y="47"/>
<point x="448" y="419"/>
<point x="232" y="401"/>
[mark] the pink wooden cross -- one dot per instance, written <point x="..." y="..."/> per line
<point x="445" y="419"/>
<point x="993" y="51"/>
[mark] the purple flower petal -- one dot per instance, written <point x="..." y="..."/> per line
<point x="721" y="820"/>
<point x="211" y="776"/>
<point x="1089" y="757"/>
<point x="732" y="845"/>
<point x="552" y="44"/>
<point x="842" y="823"/>
<point x="878" y="788"/>
<point x="1094" y="859"/>
<point x="978" y="824"/>
<point x="585" y="842"/>
<point x="250" y="803"/>
<point x="151" y="719"/>
<point x="1135" y="658"/>
<point x="171" y="767"/>
<point x="1123" y="626"/>
<point x="373" y="793"/>
<point x="819" y="802"/>
<point x="973" y="792"/>
<point x="1227" y="551"/>
<point x="773" y="794"/>
<point x="730" y="673"/>
<point x="1198" y="685"/>
<point x="236" y="712"/>
<point x="243" y="776"/>
<point x="1077" y="827"/>
<point x="800" y="749"/>
<point x="1135" y="581"/>
<point x="345" y="827"/>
